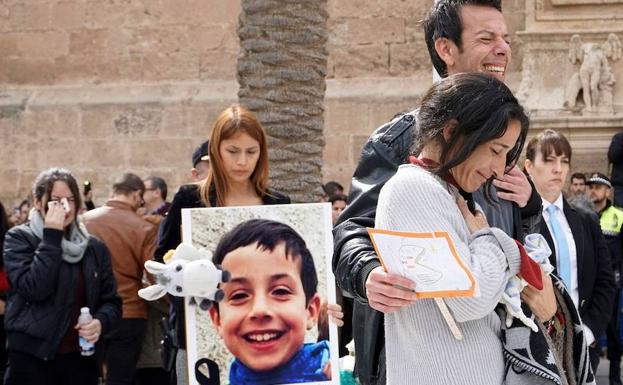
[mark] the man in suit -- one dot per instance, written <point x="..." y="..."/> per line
<point x="579" y="252"/>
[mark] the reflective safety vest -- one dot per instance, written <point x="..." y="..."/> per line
<point x="611" y="221"/>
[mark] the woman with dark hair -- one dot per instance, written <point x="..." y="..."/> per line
<point x="55" y="268"/>
<point x="238" y="176"/>
<point x="470" y="130"/>
<point x="4" y="227"/>
<point x="579" y="252"/>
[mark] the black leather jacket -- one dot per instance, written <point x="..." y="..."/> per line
<point x="354" y="256"/>
<point x="615" y="156"/>
<point x="39" y="302"/>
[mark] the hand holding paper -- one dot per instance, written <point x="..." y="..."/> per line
<point x="388" y="292"/>
<point x="429" y="260"/>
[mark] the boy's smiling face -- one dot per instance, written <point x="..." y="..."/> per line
<point x="263" y="316"/>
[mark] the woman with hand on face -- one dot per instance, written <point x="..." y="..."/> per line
<point x="55" y="268"/>
<point x="238" y="176"/>
<point x="470" y="130"/>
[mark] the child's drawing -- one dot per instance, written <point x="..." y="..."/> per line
<point x="413" y="259"/>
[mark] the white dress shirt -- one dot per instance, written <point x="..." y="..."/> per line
<point x="573" y="255"/>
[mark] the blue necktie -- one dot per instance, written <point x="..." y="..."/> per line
<point x="562" y="247"/>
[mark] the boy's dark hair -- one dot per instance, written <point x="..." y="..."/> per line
<point x="548" y="142"/>
<point x="578" y="175"/>
<point x="268" y="235"/>
<point x="443" y="20"/>
<point x="127" y="184"/>
<point x="160" y="184"/>
<point x="482" y="107"/>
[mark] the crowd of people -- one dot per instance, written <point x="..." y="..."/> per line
<point x="451" y="165"/>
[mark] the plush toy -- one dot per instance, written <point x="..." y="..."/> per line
<point x="188" y="273"/>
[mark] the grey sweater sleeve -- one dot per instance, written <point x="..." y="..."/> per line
<point x="416" y="201"/>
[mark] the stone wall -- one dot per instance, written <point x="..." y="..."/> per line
<point x="54" y="42"/>
<point x="378" y="66"/>
<point x="107" y="86"/>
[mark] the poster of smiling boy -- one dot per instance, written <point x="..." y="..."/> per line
<point x="270" y="327"/>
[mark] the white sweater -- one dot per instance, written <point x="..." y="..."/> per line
<point x="420" y="348"/>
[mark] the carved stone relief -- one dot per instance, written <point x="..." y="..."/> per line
<point x="594" y="77"/>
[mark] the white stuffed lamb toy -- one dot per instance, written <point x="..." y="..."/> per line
<point x="189" y="273"/>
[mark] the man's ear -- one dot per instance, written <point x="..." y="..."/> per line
<point x="448" y="129"/>
<point x="216" y="318"/>
<point x="194" y="174"/>
<point x="447" y="50"/>
<point x="313" y="311"/>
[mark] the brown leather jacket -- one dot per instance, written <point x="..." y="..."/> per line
<point x="131" y="241"/>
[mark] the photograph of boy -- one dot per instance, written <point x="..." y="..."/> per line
<point x="269" y="304"/>
<point x="272" y="326"/>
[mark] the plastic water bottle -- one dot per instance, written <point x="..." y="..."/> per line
<point x="86" y="348"/>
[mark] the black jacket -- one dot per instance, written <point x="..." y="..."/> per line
<point x="170" y="236"/>
<point x="39" y="302"/>
<point x="595" y="278"/>
<point x="615" y="156"/>
<point x="354" y="256"/>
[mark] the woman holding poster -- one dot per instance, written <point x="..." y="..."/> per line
<point x="238" y="176"/>
<point x="470" y="130"/>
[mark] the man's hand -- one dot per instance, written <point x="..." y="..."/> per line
<point x="515" y="185"/>
<point x="90" y="331"/>
<point x="389" y="292"/>
<point x="542" y="303"/>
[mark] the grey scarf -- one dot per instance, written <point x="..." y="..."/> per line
<point x="73" y="249"/>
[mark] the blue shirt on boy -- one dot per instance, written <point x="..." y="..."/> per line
<point x="306" y="366"/>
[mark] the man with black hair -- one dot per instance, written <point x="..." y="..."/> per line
<point x="331" y="188"/>
<point x="577" y="186"/>
<point x="338" y="204"/>
<point x="131" y="241"/>
<point x="150" y="368"/>
<point x="155" y="196"/>
<point x="461" y="36"/>
<point x="578" y="196"/>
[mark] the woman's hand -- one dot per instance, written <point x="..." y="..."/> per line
<point x="55" y="217"/>
<point x="336" y="315"/>
<point x="389" y="292"/>
<point x="542" y="303"/>
<point x="91" y="331"/>
<point x="475" y="221"/>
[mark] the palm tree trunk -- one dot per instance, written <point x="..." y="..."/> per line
<point x="281" y="72"/>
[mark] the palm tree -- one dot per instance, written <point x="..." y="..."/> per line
<point x="281" y="71"/>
